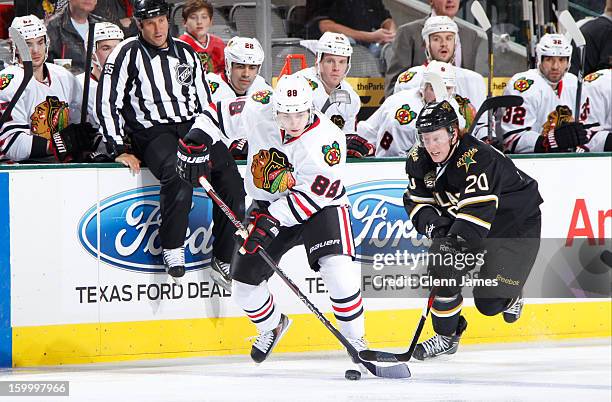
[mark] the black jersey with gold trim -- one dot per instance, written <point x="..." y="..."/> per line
<point x="478" y="188"/>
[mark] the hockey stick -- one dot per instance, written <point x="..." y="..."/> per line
<point x="87" y="77"/>
<point x="336" y="96"/>
<point x="379" y="356"/>
<point x="566" y="19"/>
<point x="494" y="103"/>
<point x="479" y="14"/>
<point x="395" y="371"/>
<point x="28" y="72"/>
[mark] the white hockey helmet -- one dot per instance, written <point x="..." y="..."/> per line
<point x="105" y="31"/>
<point x="292" y="94"/>
<point x="445" y="70"/>
<point x="30" y="27"/>
<point x="553" y="45"/>
<point x="334" y="43"/>
<point x="435" y="24"/>
<point x="243" y="51"/>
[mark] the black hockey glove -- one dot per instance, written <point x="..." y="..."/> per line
<point x="193" y="157"/>
<point x="69" y="144"/>
<point x="451" y="258"/>
<point x="439" y="227"/>
<point x="263" y="228"/>
<point x="239" y="149"/>
<point x="564" y="138"/>
<point x="358" y="147"/>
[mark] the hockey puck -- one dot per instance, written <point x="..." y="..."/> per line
<point x="352" y="375"/>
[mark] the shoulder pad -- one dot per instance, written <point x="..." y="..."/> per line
<point x="5" y="80"/>
<point x="418" y="163"/>
<point x="522" y="84"/>
<point x="472" y="156"/>
<point x="406" y="76"/>
<point x="262" y="96"/>
<point x="592" y="77"/>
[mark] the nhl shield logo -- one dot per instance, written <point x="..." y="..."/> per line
<point x="184" y="74"/>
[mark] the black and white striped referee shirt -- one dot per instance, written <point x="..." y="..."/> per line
<point x="142" y="86"/>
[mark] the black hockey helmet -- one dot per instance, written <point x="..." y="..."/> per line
<point x="436" y="115"/>
<point x="144" y="9"/>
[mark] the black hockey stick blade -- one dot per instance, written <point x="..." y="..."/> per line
<point x="87" y="79"/>
<point x="494" y="103"/>
<point x="28" y="72"/>
<point x="388" y="357"/>
<point x="396" y="371"/>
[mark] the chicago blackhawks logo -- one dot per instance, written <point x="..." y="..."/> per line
<point x="331" y="153"/>
<point x="561" y="115"/>
<point x="592" y="77"/>
<point x="338" y="120"/>
<point x="404" y="115"/>
<point x="406" y="76"/>
<point x="312" y="84"/>
<point x="5" y="80"/>
<point x="262" y="96"/>
<point x="466" y="109"/>
<point x="467" y="159"/>
<point x="183" y="74"/>
<point x="522" y="84"/>
<point x="272" y="171"/>
<point x="207" y="63"/>
<point x="50" y="117"/>
<point x="213" y="86"/>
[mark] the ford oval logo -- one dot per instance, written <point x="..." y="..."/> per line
<point x="123" y="231"/>
<point x="380" y="222"/>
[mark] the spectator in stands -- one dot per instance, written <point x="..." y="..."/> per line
<point x="68" y="32"/>
<point x="598" y="50"/>
<point x="367" y="22"/>
<point x="408" y="48"/>
<point x="197" y="17"/>
<point x="119" y="12"/>
<point x="43" y="9"/>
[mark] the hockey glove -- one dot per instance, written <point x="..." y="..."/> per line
<point x="69" y="144"/>
<point x="438" y="228"/>
<point x="564" y="138"/>
<point x="263" y="228"/>
<point x="193" y="157"/>
<point x="239" y="149"/>
<point x="451" y="258"/>
<point x="358" y="147"/>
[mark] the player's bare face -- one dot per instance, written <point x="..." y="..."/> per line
<point x="155" y="30"/>
<point x="104" y="48"/>
<point x="38" y="51"/>
<point x="294" y="124"/>
<point x="445" y="7"/>
<point x="333" y="69"/>
<point x="438" y="144"/>
<point x="554" y="67"/>
<point x="242" y="76"/>
<point x="84" y="5"/>
<point x="430" y="96"/>
<point x="198" y="23"/>
<point x="442" y="46"/>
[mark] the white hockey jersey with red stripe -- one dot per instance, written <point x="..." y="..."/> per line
<point x="522" y="125"/>
<point x="92" y="116"/>
<point x="343" y="115"/>
<point x="298" y="176"/>
<point x="43" y="109"/>
<point x="596" y="108"/>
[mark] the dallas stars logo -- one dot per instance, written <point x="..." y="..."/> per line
<point x="404" y="115"/>
<point x="467" y="159"/>
<point x="522" y="84"/>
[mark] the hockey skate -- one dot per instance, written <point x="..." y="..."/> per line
<point x="220" y="273"/>
<point x="440" y="344"/>
<point x="359" y="344"/>
<point x="514" y="310"/>
<point x="267" y="340"/>
<point x="174" y="260"/>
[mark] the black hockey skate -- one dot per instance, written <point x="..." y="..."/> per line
<point x="440" y="344"/>
<point x="265" y="341"/>
<point x="514" y="310"/>
<point x="174" y="260"/>
<point x="220" y="273"/>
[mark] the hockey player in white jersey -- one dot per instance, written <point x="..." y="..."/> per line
<point x="50" y="103"/>
<point x="332" y="64"/>
<point x="544" y="122"/>
<point x="439" y="34"/>
<point x="295" y="176"/>
<point x="596" y="111"/>
<point x="391" y="128"/>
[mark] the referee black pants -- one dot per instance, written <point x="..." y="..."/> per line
<point x="157" y="147"/>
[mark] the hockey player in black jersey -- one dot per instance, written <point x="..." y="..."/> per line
<point x="478" y="209"/>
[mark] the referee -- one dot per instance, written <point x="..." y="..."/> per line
<point x="154" y="87"/>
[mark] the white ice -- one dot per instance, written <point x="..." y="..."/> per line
<point x="550" y="371"/>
